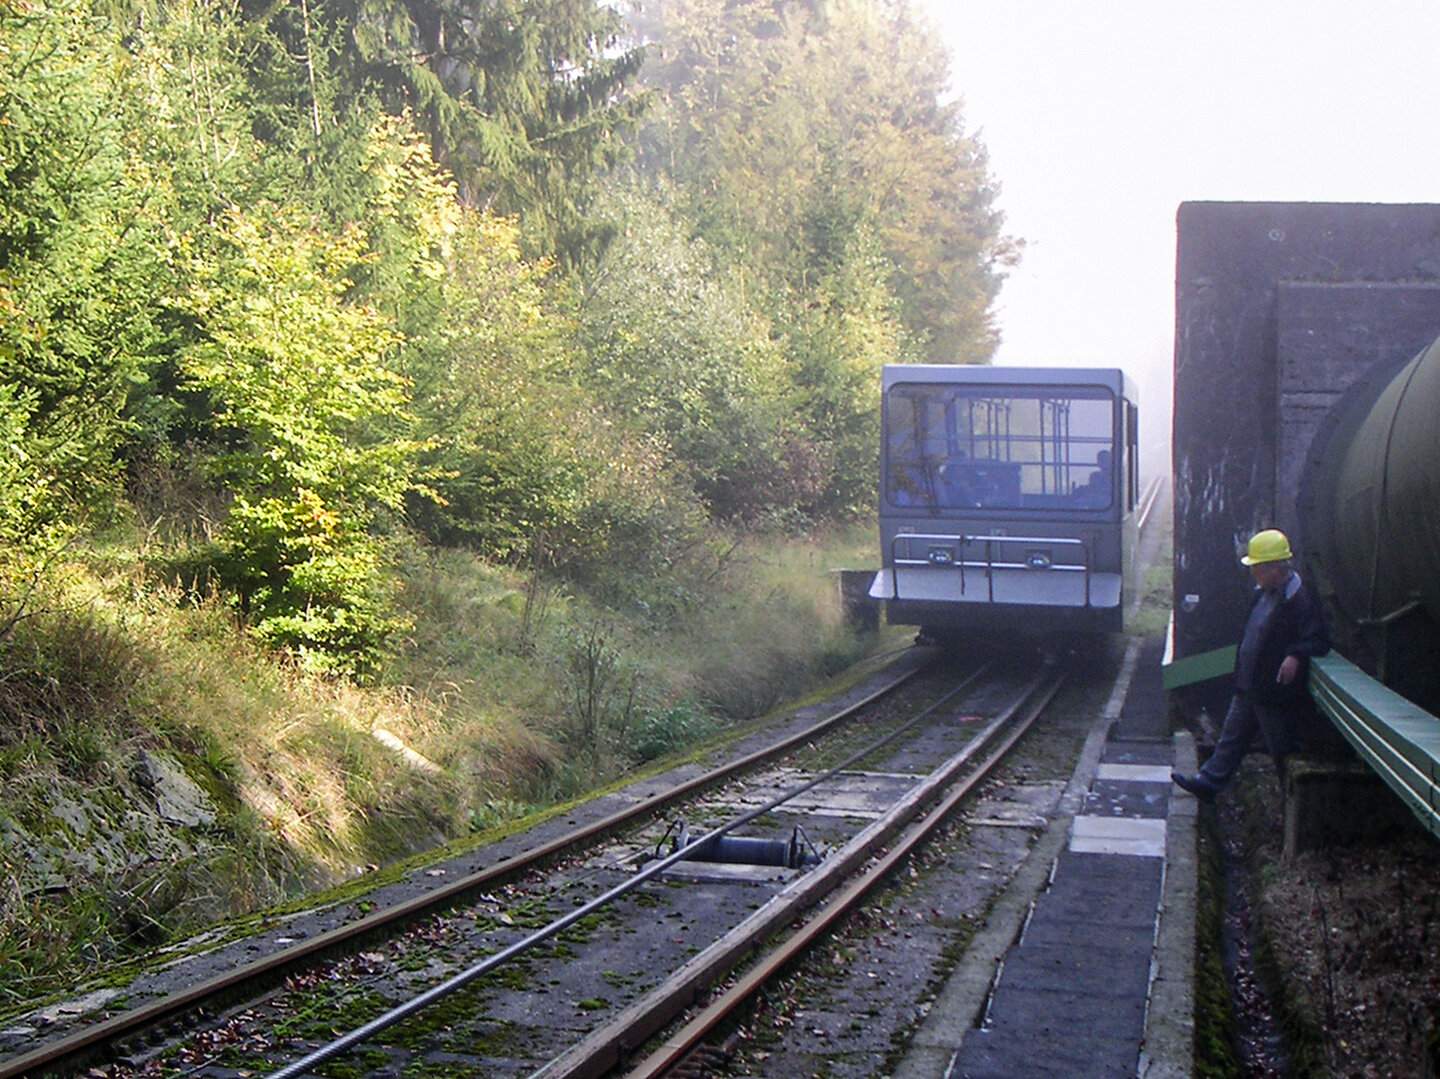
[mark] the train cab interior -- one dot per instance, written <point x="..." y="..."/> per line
<point x="1014" y="448"/>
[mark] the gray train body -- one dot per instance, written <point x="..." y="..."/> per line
<point x="1007" y="499"/>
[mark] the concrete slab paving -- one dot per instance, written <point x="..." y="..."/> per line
<point x="1133" y="773"/>
<point x="1128" y="798"/>
<point x="1050" y="1034"/>
<point x="1062" y="938"/>
<point x="1099" y="983"/>
<point x="1133" y="910"/>
<point x="1108" y="889"/>
<point x="1120" y="836"/>
<point x="1063" y="964"/>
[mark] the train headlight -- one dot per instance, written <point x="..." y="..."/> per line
<point x="1037" y="559"/>
<point x="940" y="556"/>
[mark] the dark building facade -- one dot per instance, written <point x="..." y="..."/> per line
<point x="1280" y="309"/>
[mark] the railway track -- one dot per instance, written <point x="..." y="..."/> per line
<point x="99" y="1037"/>
<point x="600" y="898"/>
<point x="911" y="822"/>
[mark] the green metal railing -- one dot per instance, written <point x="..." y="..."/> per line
<point x="1400" y="740"/>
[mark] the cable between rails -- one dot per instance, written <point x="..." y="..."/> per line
<point x="419" y="1003"/>
<point x="604" y="1050"/>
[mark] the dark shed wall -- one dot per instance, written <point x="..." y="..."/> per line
<point x="1328" y="336"/>
<point x="1279" y="306"/>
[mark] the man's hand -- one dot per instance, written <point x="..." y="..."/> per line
<point x="1288" y="670"/>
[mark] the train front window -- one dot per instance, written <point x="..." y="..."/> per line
<point x="992" y="447"/>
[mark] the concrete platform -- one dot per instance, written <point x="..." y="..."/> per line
<point x="1085" y="967"/>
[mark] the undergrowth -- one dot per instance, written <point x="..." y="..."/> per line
<point x="511" y="692"/>
<point x="1215" y="1042"/>
<point x="1151" y="615"/>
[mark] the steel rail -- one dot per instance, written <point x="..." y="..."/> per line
<point x="75" y="1050"/>
<point x="607" y="1048"/>
<point x="490" y="963"/>
<point x="1148" y="500"/>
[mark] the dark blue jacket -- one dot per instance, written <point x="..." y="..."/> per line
<point x="1296" y="628"/>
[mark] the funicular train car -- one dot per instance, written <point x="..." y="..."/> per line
<point x="1007" y="499"/>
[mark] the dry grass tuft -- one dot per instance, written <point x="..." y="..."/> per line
<point x="511" y="692"/>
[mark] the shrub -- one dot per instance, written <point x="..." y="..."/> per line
<point x="658" y="732"/>
<point x="310" y="585"/>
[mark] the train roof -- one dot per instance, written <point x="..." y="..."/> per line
<point x="1112" y="378"/>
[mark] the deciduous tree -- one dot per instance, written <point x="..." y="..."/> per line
<point x="787" y="120"/>
<point x="318" y="441"/>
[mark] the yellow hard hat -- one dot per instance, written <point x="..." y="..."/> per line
<point x="1268" y="546"/>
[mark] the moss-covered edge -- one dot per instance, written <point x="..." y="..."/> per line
<point x="1298" y="1013"/>
<point x="1215" y="1052"/>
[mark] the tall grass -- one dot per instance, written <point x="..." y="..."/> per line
<point x="512" y="691"/>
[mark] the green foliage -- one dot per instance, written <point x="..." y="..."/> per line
<point x="1151" y="616"/>
<point x="314" y="426"/>
<point x="670" y="344"/>
<point x="243" y="255"/>
<point x="843" y="333"/>
<point x="297" y="375"/>
<point x="808" y="144"/>
<point x="186" y="108"/>
<point x="308" y="584"/>
<point x="792" y="126"/>
<point x="75" y="259"/>
<point x="636" y="523"/>
<point x="61" y="676"/>
<point x="660" y="731"/>
<point x="523" y="102"/>
<point x="602" y="690"/>
<point x="475" y="350"/>
<point x="29" y="507"/>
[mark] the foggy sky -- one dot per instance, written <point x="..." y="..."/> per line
<point x="1102" y="117"/>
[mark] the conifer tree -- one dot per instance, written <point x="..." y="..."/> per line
<point x="524" y="102"/>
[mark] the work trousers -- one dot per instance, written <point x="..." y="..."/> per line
<point x="1243" y="721"/>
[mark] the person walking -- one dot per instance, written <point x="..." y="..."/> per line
<point x="1284" y="630"/>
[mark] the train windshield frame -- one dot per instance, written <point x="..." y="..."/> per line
<point x="956" y="446"/>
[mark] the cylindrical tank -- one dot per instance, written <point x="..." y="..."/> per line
<point x="1374" y="495"/>
<point x="1370" y="518"/>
